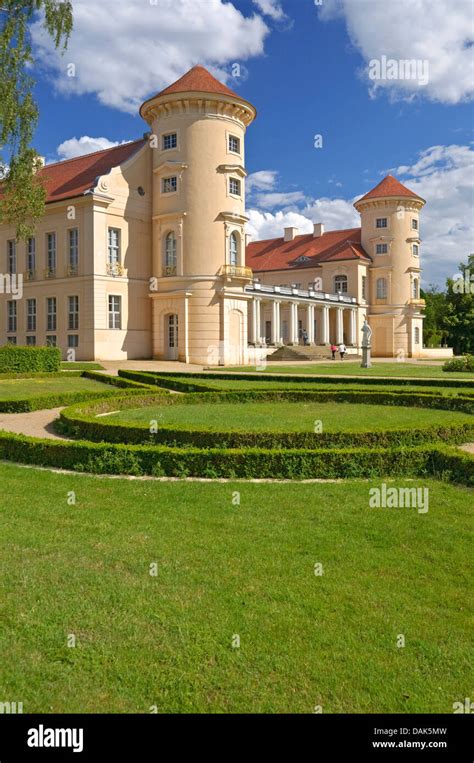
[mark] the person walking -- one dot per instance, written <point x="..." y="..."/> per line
<point x="333" y="350"/>
<point x="342" y="350"/>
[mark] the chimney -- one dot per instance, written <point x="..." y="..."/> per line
<point x="318" y="230"/>
<point x="290" y="234"/>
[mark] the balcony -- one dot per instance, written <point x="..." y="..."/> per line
<point x="114" y="269"/>
<point x="236" y="271"/>
<point x="417" y="302"/>
<point x="170" y="270"/>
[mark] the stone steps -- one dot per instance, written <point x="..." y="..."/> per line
<point x="299" y="352"/>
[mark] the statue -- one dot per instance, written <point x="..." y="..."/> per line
<point x="366" y="345"/>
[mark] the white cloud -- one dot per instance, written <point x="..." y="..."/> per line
<point x="265" y="180"/>
<point x="431" y="30"/>
<point x="271" y="8"/>
<point x="272" y="200"/>
<point x="84" y="145"/>
<point x="125" y="50"/>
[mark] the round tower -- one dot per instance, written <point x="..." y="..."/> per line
<point x="198" y="140"/>
<point x="390" y="222"/>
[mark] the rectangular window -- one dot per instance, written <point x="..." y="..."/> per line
<point x="364" y="287"/>
<point x="31" y="341"/>
<point x="416" y="250"/>
<point x="414" y="224"/>
<point x="73" y="251"/>
<point x="11" y="257"/>
<point x="51" y="315"/>
<point x="73" y="342"/>
<point x="11" y="340"/>
<point x="381" y="249"/>
<point x="114" y="246"/>
<point x="170" y="141"/>
<point x="31" y="314"/>
<point x="50" y="255"/>
<point x="73" y="314"/>
<point x="51" y="341"/>
<point x="115" y="312"/>
<point x="234" y="187"/>
<point x="11" y="315"/>
<point x="234" y="144"/>
<point x="381" y="222"/>
<point x="31" y="258"/>
<point x="169" y="185"/>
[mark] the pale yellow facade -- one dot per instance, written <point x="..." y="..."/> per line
<point x="174" y="215"/>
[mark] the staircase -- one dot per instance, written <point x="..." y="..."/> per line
<point x="299" y="352"/>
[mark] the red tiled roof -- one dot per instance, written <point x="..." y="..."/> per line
<point x="199" y="80"/>
<point x="65" y="180"/>
<point x="388" y="187"/>
<point x="278" y="254"/>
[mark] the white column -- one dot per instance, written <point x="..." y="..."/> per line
<point x="310" y="323"/>
<point x="253" y="323"/>
<point x="275" y="322"/>
<point x="293" y="337"/>
<point x="325" y="325"/>
<point x="352" y="327"/>
<point x="339" y="325"/>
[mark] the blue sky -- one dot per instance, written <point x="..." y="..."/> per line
<point x="305" y="68"/>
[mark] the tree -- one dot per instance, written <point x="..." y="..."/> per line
<point x="23" y="193"/>
<point x="459" y="318"/>
<point x="434" y="329"/>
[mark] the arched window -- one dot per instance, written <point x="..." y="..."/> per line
<point x="170" y="264"/>
<point x="381" y="288"/>
<point x="233" y="250"/>
<point x="340" y="284"/>
<point x="415" y="289"/>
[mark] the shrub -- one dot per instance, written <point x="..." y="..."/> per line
<point x="21" y="360"/>
<point x="466" y="363"/>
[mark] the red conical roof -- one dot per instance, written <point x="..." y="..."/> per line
<point x="198" y="80"/>
<point x="389" y="187"/>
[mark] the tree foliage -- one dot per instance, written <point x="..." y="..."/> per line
<point x="449" y="315"/>
<point x="23" y="193"/>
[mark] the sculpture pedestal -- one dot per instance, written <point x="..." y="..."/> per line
<point x="366" y="357"/>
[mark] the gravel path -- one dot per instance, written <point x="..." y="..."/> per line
<point x="34" y="423"/>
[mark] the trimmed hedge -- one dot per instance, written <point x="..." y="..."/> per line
<point x="172" y="380"/>
<point x="43" y="402"/>
<point x="81" y="421"/>
<point x="99" y="458"/>
<point x="116" y="381"/>
<point x="19" y="360"/>
<point x="465" y="364"/>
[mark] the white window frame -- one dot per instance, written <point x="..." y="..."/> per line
<point x="76" y="343"/>
<point x="377" y="246"/>
<point x="114" y="248"/>
<point x="381" y="220"/>
<point x="164" y="186"/>
<point x="170" y="254"/>
<point x="381" y="288"/>
<point x="31" y="314"/>
<point x="237" y="195"/>
<point x="51" y="315"/>
<point x="12" y="316"/>
<point x="344" y="280"/>
<point x="31" y="255"/>
<point x="415" y="224"/>
<point x="415" y="250"/>
<point x="234" y="253"/>
<point x="73" y="314"/>
<point x="231" y="137"/>
<point x="73" y="250"/>
<point x="51" y="252"/>
<point x="112" y="312"/>
<point x="417" y="335"/>
<point x="363" y="288"/>
<point x="166" y="135"/>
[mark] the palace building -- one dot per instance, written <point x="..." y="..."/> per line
<point x="142" y="252"/>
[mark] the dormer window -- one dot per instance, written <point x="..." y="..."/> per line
<point x="381" y="249"/>
<point x="340" y="284"/>
<point x="301" y="260"/>
<point x="170" y="141"/>
<point x="234" y="144"/>
<point x="381" y="222"/>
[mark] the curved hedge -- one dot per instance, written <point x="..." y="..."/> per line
<point x="100" y="458"/>
<point x="81" y="421"/>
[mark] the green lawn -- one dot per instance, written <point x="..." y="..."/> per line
<point x="283" y="416"/>
<point x="213" y="382"/>
<point x="81" y="366"/>
<point x="226" y="570"/>
<point x="351" y="367"/>
<point x="22" y="389"/>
